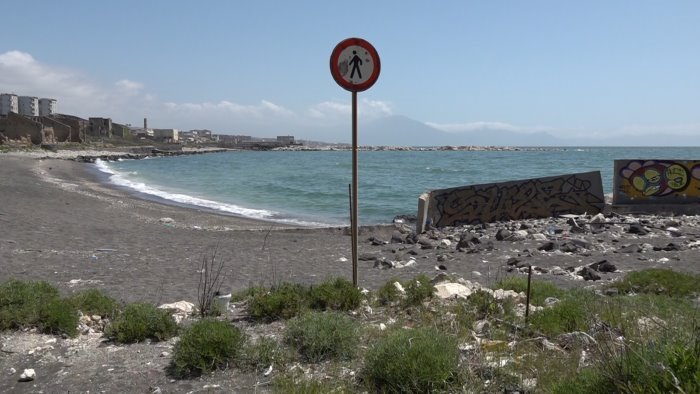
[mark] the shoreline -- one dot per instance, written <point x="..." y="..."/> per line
<point x="64" y="226"/>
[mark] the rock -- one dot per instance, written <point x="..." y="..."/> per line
<point x="597" y="223"/>
<point x="502" y="234"/>
<point x="481" y="327"/>
<point x="518" y="236"/>
<point x="539" y="237"/>
<point x="603" y="266"/>
<point x="28" y="375"/>
<point x="441" y="258"/>
<point x="376" y="241"/>
<point x="368" y="256"/>
<point x="383" y="263"/>
<point x="648" y="324"/>
<point x="513" y="261"/>
<point x="588" y="274"/>
<point x="452" y="290"/>
<point x="634" y="248"/>
<point x="637" y="228"/>
<point x="427" y="243"/>
<point x="671" y="247"/>
<point x="547" y="246"/>
<point x="501" y="294"/>
<point x="167" y="220"/>
<point x="674" y="231"/>
<point x="549" y="301"/>
<point x="611" y="291"/>
<point x="163" y="354"/>
<point x="397" y="238"/>
<point x="445" y="243"/>
<point x="558" y="271"/>
<point x="467" y="241"/>
<point x="575" y="339"/>
<point x="180" y="310"/>
<point x="441" y="267"/>
<point x="399" y="287"/>
<point x="568" y="247"/>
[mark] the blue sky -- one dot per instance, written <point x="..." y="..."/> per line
<point x="572" y="69"/>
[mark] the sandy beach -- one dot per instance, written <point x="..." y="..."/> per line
<point x="63" y="224"/>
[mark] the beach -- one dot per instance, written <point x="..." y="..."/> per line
<point x="62" y="223"/>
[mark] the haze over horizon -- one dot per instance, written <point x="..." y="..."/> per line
<point x="454" y="72"/>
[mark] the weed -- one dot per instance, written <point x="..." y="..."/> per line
<point x="210" y="280"/>
<point x="412" y="361"/>
<point x="319" y="336"/>
<point x="95" y="302"/>
<point x="281" y="302"/>
<point x="417" y="290"/>
<point x="570" y="314"/>
<point x="659" y="281"/>
<point x="294" y="384"/>
<point x="262" y="354"/>
<point x="141" y="321"/>
<point x="388" y="293"/>
<point x="58" y="316"/>
<point x="539" y="290"/>
<point x="205" y="346"/>
<point x="20" y="302"/>
<point x="338" y="294"/>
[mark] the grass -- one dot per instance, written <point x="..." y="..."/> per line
<point x="412" y="361"/>
<point x="141" y="321"/>
<point x="659" y="281"/>
<point x="320" y="336"/>
<point x="94" y="302"/>
<point x="416" y="291"/>
<point x="539" y="290"/>
<point x="337" y="294"/>
<point x="206" y="346"/>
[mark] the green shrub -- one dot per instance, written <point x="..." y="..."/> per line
<point x="570" y="314"/>
<point x="483" y="304"/>
<point x="417" y="290"/>
<point x="141" y="321"/>
<point x="539" y="290"/>
<point x="58" y="316"/>
<point x="412" y="361"/>
<point x="659" y="281"/>
<point x="281" y="302"/>
<point x="206" y="346"/>
<point x="263" y="353"/>
<point x="338" y="294"/>
<point x="20" y="302"/>
<point x="94" y="302"/>
<point x="319" y="336"/>
<point x="388" y="293"/>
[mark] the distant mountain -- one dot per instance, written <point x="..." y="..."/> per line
<point x="404" y="131"/>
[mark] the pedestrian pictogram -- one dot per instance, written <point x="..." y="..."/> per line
<point x="355" y="64"/>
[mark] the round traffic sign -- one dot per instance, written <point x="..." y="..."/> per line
<point x="355" y="64"/>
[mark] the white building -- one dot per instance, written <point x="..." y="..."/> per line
<point x="29" y="105"/>
<point x="166" y="135"/>
<point x="8" y="103"/>
<point x="47" y="106"/>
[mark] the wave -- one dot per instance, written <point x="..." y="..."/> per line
<point x="119" y="179"/>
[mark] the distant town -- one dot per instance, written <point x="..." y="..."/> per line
<point x="34" y="120"/>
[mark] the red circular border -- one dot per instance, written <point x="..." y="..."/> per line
<point x="335" y="71"/>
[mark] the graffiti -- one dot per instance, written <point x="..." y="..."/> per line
<point x="654" y="181"/>
<point x="533" y="198"/>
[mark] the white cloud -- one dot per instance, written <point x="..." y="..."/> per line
<point x="333" y="110"/>
<point x="128" y="87"/>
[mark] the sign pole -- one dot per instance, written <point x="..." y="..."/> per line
<point x="354" y="224"/>
<point x="355" y="66"/>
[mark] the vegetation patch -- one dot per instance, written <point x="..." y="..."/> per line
<point x="412" y="361"/>
<point x="416" y="291"/>
<point x="94" y="302"/>
<point x="539" y="290"/>
<point x="281" y="302"/>
<point x="141" y="321"/>
<point x="319" y="336"/>
<point x="206" y="346"/>
<point x="338" y="294"/>
<point x="659" y="281"/>
<point x="570" y="314"/>
<point x="265" y="352"/>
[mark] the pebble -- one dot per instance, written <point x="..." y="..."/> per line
<point x="28" y="375"/>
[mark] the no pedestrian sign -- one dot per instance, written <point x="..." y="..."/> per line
<point x="355" y="64"/>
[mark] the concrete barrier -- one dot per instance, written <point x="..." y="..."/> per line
<point x="657" y="186"/>
<point x="522" y="199"/>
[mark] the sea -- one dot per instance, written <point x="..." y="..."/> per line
<point x="312" y="188"/>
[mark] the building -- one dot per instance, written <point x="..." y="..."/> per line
<point x="47" y="106"/>
<point x="8" y="103"/>
<point x="28" y="105"/>
<point x="165" y="135"/>
<point x="100" y="127"/>
<point x="24" y="129"/>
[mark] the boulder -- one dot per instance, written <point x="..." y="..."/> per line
<point x="452" y="290"/>
<point x="603" y="266"/>
<point x="588" y="274"/>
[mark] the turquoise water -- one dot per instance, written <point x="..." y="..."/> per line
<point x="312" y="187"/>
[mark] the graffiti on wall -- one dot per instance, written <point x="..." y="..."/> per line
<point x="532" y="198"/>
<point x="656" y="181"/>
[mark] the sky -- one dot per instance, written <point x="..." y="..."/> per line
<point x="590" y="69"/>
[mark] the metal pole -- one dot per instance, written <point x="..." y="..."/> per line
<point x="527" y="299"/>
<point x="354" y="223"/>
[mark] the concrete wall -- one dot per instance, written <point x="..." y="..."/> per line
<point x="648" y="182"/>
<point x="61" y="131"/>
<point x="18" y="127"/>
<point x="531" y="198"/>
<point x="78" y="126"/>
